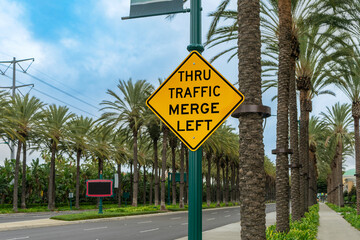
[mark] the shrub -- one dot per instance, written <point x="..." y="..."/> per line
<point x="306" y="229"/>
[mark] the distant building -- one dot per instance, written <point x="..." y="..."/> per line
<point x="349" y="180"/>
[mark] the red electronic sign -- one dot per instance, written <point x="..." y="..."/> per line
<point x="99" y="188"/>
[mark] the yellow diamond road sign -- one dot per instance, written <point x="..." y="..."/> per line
<point x="194" y="100"/>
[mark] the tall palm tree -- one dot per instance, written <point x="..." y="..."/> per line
<point x="128" y="111"/>
<point x="251" y="154"/>
<point x="338" y="120"/>
<point x="26" y="114"/>
<point x="348" y="72"/>
<point x="79" y="129"/>
<point x="54" y="130"/>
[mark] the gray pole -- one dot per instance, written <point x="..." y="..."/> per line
<point x="12" y="154"/>
<point x="14" y="76"/>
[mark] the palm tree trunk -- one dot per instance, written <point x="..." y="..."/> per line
<point x="77" y="196"/>
<point x="23" y="184"/>
<point x="173" y="179"/>
<point x="163" y="168"/>
<point x="119" y="184"/>
<point x="227" y="182"/>
<point x="339" y="183"/>
<point x="357" y="162"/>
<point x="282" y="162"/>
<point x="224" y="184"/>
<point x="294" y="145"/>
<point x="237" y="186"/>
<point x="131" y="180"/>
<point x="156" y="166"/>
<point x="182" y="155"/>
<point x="16" y="178"/>
<point x="302" y="156"/>
<point x="51" y="193"/>
<point x="233" y="192"/>
<point x="144" y="185"/>
<point x="251" y="155"/>
<point x="151" y="186"/>
<point x="208" y="176"/>
<point x="136" y="175"/>
<point x="218" y="182"/>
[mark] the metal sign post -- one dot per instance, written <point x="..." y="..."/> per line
<point x="101" y="199"/>
<point x="195" y="158"/>
<point x="71" y="195"/>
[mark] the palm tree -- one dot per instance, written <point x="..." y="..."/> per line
<point x="79" y="129"/>
<point x="25" y="114"/>
<point x="251" y="154"/>
<point x="128" y="111"/>
<point x="27" y="117"/>
<point x="54" y="130"/>
<point x="348" y="73"/>
<point x="338" y="120"/>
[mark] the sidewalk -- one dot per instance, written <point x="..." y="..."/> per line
<point x="231" y="231"/>
<point x="334" y="227"/>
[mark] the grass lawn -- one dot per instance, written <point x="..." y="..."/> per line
<point x="7" y="208"/>
<point x="126" y="211"/>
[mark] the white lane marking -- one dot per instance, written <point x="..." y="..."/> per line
<point x="226" y="211"/>
<point x="210" y="219"/>
<point x="18" y="238"/>
<point x="184" y="224"/>
<point x="150" y="230"/>
<point x="214" y="213"/>
<point x="175" y="218"/>
<point x="144" y="222"/>
<point x="238" y="214"/>
<point x="89" y="229"/>
<point x="227" y="215"/>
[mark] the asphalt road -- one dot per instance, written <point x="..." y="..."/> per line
<point x="155" y="227"/>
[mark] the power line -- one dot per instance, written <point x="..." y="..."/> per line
<point x="73" y="89"/>
<point x="62" y="91"/>
<point x="58" y="100"/>
<point x="52" y="86"/>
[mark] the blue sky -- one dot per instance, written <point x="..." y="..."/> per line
<point x="84" y="48"/>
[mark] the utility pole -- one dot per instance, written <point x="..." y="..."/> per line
<point x="14" y="87"/>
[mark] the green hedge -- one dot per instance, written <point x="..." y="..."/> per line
<point x="306" y="229"/>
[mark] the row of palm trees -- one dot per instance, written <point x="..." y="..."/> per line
<point x="307" y="45"/>
<point x="126" y="133"/>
